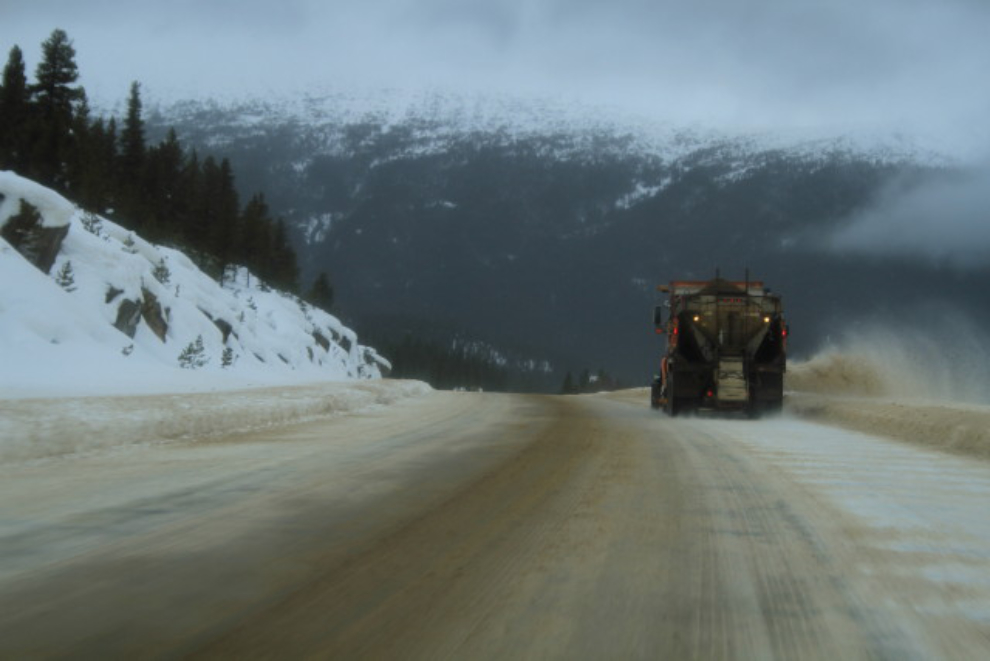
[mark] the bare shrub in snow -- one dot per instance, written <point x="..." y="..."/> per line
<point x="161" y="272"/>
<point x="129" y="244"/>
<point x="92" y="223"/>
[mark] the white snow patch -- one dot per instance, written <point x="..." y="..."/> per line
<point x="55" y="342"/>
<point x="640" y="193"/>
<point x="316" y="228"/>
<point x="56" y="211"/>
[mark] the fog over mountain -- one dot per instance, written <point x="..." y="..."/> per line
<point x="914" y="64"/>
<point x="943" y="220"/>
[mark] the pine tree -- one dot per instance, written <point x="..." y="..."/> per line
<point x="255" y="235"/>
<point x="188" y="202"/>
<point x="65" y="278"/>
<point x="285" y="272"/>
<point x="95" y="160"/>
<point x="14" y="110"/>
<point x="163" y="187"/>
<point x="218" y="214"/>
<point x="226" y="232"/>
<point x="54" y="98"/>
<point x="321" y="293"/>
<point x="194" y="355"/>
<point x="76" y="162"/>
<point x="161" y="272"/>
<point x="133" y="202"/>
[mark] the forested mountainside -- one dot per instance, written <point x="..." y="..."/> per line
<point x="547" y="242"/>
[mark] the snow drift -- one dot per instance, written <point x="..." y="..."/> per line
<point x="32" y="429"/>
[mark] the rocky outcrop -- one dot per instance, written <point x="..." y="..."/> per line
<point x="222" y="325"/>
<point x="130" y="313"/>
<point x="128" y="317"/>
<point x="112" y="293"/>
<point x="322" y="341"/>
<point x="28" y="235"/>
<point x="151" y="312"/>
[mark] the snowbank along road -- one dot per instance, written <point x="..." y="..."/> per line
<point x="454" y="525"/>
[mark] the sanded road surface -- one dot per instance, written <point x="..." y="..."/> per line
<point x="474" y="526"/>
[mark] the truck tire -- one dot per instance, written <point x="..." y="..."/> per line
<point x="671" y="406"/>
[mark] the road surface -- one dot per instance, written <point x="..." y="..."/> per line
<point x="470" y="526"/>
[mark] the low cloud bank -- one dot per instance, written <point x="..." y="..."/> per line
<point x="945" y="220"/>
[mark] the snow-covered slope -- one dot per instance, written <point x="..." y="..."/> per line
<point x="118" y="315"/>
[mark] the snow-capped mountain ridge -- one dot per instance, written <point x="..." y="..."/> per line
<point x="432" y="119"/>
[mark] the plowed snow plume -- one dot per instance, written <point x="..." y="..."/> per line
<point x="925" y="385"/>
<point x="948" y="362"/>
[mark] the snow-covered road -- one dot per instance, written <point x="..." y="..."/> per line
<point x="483" y="526"/>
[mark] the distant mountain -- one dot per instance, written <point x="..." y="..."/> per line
<point x="543" y="230"/>
<point x="86" y="301"/>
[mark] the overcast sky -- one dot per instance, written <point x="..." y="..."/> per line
<point x="918" y="64"/>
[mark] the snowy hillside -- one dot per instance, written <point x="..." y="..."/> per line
<point x="430" y="121"/>
<point x="87" y="307"/>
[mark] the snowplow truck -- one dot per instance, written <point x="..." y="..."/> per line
<point x="726" y="348"/>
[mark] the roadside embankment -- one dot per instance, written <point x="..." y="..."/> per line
<point x="33" y="429"/>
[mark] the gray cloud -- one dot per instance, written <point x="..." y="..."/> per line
<point x="918" y="64"/>
<point x="945" y="220"/>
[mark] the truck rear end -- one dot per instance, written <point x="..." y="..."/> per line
<point x="726" y="347"/>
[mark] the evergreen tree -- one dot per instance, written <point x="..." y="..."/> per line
<point x="132" y="137"/>
<point x="219" y="214"/>
<point x="93" y="178"/>
<point x="321" y="293"/>
<point x="568" y="387"/>
<point x="14" y="110"/>
<point x="163" y="188"/>
<point x="285" y="272"/>
<point x="65" y="278"/>
<point x="187" y="203"/>
<point x="584" y="381"/>
<point x="255" y="235"/>
<point x="76" y="159"/>
<point x="54" y="98"/>
<point x="133" y="203"/>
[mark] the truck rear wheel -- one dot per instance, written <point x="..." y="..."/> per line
<point x="671" y="406"/>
